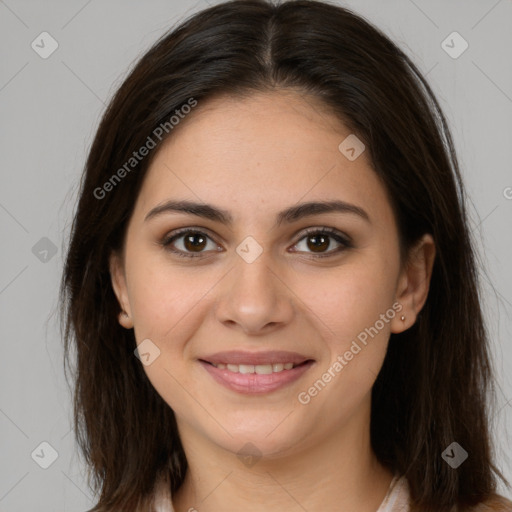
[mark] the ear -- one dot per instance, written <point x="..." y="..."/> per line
<point x="414" y="283"/>
<point x="118" y="277"/>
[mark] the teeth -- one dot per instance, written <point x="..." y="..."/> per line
<point x="260" y="369"/>
<point x="246" y="368"/>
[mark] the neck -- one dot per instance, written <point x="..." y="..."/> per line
<point x="339" y="472"/>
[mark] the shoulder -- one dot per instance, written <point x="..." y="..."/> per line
<point x="399" y="492"/>
<point x="162" y="496"/>
<point x="495" y="503"/>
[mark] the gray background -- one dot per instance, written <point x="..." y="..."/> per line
<point x="49" y="111"/>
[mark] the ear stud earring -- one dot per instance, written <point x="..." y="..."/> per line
<point x="402" y="318"/>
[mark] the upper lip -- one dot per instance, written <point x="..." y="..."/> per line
<point x="269" y="357"/>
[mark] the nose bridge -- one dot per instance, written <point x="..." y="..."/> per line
<point x="253" y="262"/>
<point x="255" y="281"/>
<point x="256" y="276"/>
<point x="255" y="296"/>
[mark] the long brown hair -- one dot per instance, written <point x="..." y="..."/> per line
<point x="435" y="385"/>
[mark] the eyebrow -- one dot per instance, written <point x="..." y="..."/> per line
<point x="291" y="214"/>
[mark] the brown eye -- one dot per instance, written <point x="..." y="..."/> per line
<point x="194" y="242"/>
<point x="188" y="243"/>
<point x="318" y="241"/>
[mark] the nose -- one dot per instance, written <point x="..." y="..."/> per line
<point x="254" y="298"/>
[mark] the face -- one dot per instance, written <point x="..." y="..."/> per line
<point x="318" y="287"/>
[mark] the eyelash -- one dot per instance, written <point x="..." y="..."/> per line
<point x="333" y="233"/>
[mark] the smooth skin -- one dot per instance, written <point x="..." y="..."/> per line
<point x="254" y="157"/>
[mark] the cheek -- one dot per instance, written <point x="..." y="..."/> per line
<point x="346" y="300"/>
<point x="353" y="308"/>
<point x="168" y="302"/>
<point x="166" y="296"/>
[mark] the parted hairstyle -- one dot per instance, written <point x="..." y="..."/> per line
<point x="435" y="386"/>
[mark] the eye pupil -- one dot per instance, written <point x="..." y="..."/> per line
<point x="319" y="242"/>
<point x="191" y="241"/>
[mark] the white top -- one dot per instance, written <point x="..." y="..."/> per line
<point x="396" y="499"/>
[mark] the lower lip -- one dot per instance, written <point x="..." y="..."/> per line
<point x="252" y="383"/>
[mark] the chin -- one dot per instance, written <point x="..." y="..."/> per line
<point x="264" y="441"/>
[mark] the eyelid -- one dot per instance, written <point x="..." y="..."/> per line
<point x="194" y="229"/>
<point x="169" y="239"/>
<point x="324" y="229"/>
<point x="337" y="235"/>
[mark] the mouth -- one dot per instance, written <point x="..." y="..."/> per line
<point x="256" y="373"/>
<point x="260" y="369"/>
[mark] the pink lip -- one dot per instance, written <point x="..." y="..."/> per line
<point x="253" y="383"/>
<point x="269" y="357"/>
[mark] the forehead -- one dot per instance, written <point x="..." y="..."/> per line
<point x="272" y="149"/>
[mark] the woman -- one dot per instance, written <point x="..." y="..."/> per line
<point x="270" y="283"/>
